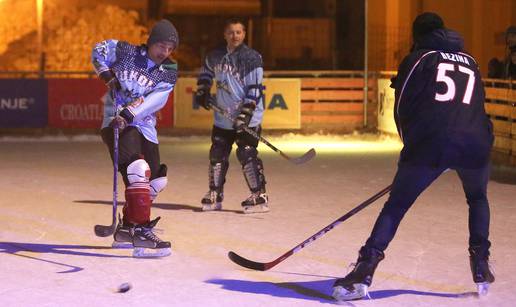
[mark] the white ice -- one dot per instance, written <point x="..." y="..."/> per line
<point x="54" y="190"/>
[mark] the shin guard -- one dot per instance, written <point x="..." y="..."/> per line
<point x="137" y="203"/>
<point x="137" y="194"/>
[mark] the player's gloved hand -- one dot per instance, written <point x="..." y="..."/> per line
<point x="122" y="119"/>
<point x="110" y="80"/>
<point x="246" y="113"/>
<point x="203" y="97"/>
<point x="118" y="122"/>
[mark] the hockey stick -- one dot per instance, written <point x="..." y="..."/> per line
<point x="101" y="230"/>
<point x="307" y="156"/>
<point x="264" y="266"/>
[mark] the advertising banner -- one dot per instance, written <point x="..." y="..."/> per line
<point x="77" y="103"/>
<point x="282" y="99"/>
<point x="386" y="107"/>
<point x="23" y="103"/>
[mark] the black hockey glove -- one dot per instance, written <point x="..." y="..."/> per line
<point x="203" y="97"/>
<point x="110" y="80"/>
<point x="118" y="122"/>
<point x="243" y="119"/>
<point x="121" y="120"/>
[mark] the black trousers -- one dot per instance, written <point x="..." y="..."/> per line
<point x="410" y="181"/>
<point x="131" y="146"/>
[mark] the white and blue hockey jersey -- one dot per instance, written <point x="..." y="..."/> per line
<point x="145" y="84"/>
<point x="238" y="77"/>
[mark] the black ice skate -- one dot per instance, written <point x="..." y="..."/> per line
<point x="257" y="202"/>
<point x="480" y="269"/>
<point x="212" y="201"/>
<point x="354" y="286"/>
<point x="144" y="239"/>
<point x="122" y="236"/>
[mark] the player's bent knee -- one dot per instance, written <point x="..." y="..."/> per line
<point x="138" y="171"/>
<point x="246" y="153"/>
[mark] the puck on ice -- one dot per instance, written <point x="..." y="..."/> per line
<point x="124" y="287"/>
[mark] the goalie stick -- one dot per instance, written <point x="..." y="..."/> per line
<point x="307" y="156"/>
<point x="264" y="266"/>
<point x="101" y="230"/>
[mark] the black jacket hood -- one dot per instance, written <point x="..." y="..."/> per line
<point x="443" y="40"/>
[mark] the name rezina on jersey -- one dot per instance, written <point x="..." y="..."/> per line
<point x="454" y="57"/>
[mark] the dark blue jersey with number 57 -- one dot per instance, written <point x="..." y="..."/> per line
<point x="439" y="107"/>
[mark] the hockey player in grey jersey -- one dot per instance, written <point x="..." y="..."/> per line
<point x="238" y="72"/>
<point x="142" y="77"/>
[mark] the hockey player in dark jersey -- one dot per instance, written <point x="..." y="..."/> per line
<point x="238" y="72"/>
<point x="142" y="78"/>
<point x="440" y="116"/>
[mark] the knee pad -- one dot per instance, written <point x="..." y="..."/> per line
<point x="246" y="154"/>
<point x="220" y="149"/>
<point x="158" y="184"/>
<point x="138" y="171"/>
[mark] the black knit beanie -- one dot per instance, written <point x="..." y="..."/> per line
<point x="163" y="31"/>
<point x="510" y="36"/>
<point x="426" y="23"/>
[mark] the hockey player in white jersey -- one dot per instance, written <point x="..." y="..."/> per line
<point x="142" y="78"/>
<point x="238" y="72"/>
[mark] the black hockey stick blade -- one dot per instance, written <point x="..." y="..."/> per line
<point x="104" y="231"/>
<point x="309" y="155"/>
<point x="246" y="263"/>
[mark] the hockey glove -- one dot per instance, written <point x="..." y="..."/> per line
<point x="110" y="80"/>
<point x="243" y="119"/>
<point x="124" y="118"/>
<point x="203" y="97"/>
<point x="118" y="122"/>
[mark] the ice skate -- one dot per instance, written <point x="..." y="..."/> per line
<point x="146" y="243"/>
<point x="355" y="285"/>
<point x="212" y="201"/>
<point x="122" y="237"/>
<point x="257" y="202"/>
<point x="481" y="270"/>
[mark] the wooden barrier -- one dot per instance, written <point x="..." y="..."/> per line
<point x="501" y="107"/>
<point x="336" y="104"/>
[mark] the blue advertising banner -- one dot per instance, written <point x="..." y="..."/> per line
<point x="23" y="103"/>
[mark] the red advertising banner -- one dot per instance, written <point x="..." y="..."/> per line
<point x="76" y="103"/>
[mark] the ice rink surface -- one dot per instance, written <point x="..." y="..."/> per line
<point x="54" y="190"/>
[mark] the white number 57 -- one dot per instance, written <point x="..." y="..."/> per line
<point x="449" y="95"/>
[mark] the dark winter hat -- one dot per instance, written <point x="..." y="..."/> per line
<point x="426" y="23"/>
<point x="510" y="36"/>
<point x="163" y="31"/>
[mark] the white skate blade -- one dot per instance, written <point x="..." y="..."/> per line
<point x="213" y="207"/>
<point x="142" y="252"/>
<point x="482" y="288"/>
<point x="256" y="209"/>
<point x="117" y="244"/>
<point x="342" y="294"/>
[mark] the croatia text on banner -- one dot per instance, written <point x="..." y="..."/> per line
<point x="386" y="107"/>
<point x="23" y="103"/>
<point x="282" y="100"/>
<point x="75" y="103"/>
<point x="78" y="103"/>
